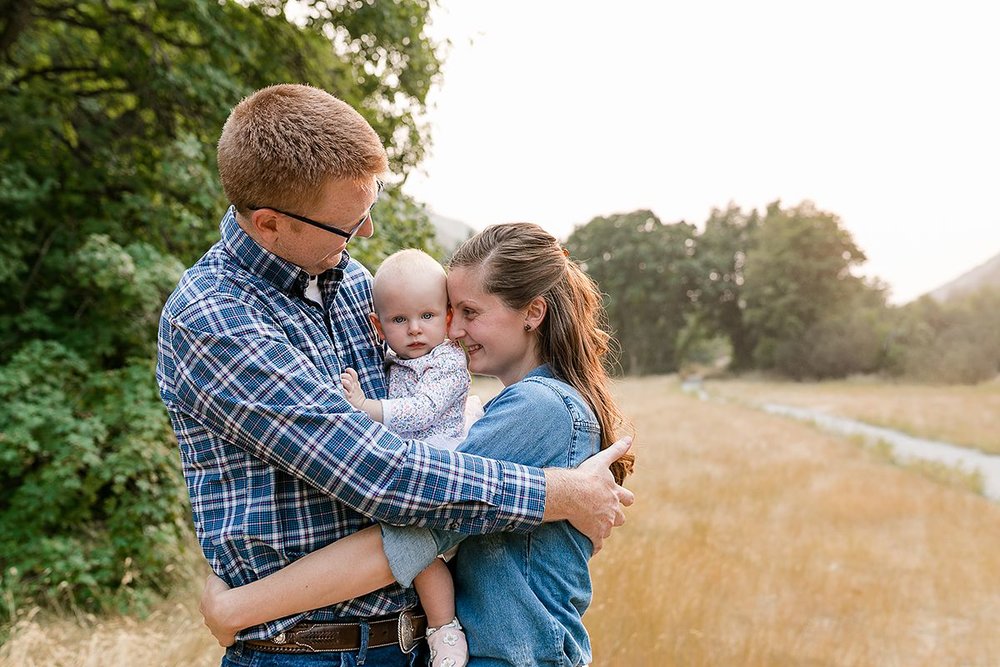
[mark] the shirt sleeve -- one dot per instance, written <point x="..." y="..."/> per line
<point x="440" y="387"/>
<point x="240" y="376"/>
<point x="528" y="423"/>
<point x="410" y="550"/>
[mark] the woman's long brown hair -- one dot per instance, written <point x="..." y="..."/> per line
<point x="520" y="261"/>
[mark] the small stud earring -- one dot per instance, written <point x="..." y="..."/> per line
<point x="527" y="327"/>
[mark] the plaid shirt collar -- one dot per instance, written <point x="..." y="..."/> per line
<point x="281" y="273"/>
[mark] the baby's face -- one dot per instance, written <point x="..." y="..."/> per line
<point x="413" y="317"/>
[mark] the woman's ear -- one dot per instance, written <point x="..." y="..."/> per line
<point x="535" y="313"/>
<point x="377" y="324"/>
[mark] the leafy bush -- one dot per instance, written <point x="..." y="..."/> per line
<point x="108" y="123"/>
<point x="91" y="498"/>
<point x="956" y="341"/>
<point x="835" y="347"/>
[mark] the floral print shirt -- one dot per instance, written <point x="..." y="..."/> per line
<point x="427" y="395"/>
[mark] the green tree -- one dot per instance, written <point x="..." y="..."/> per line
<point x="723" y="247"/>
<point x="109" y="114"/>
<point x="647" y="272"/>
<point x="798" y="279"/>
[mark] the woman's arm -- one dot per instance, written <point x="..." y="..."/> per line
<point x="352" y="566"/>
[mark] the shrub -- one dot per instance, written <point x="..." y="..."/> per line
<point x="92" y="506"/>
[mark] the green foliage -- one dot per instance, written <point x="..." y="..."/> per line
<point x="776" y="292"/>
<point x="391" y="64"/>
<point x="109" y="115"/>
<point x="957" y="341"/>
<point x="849" y="342"/>
<point x="722" y="254"/>
<point x="799" y="283"/>
<point x="88" y="474"/>
<point x="650" y="280"/>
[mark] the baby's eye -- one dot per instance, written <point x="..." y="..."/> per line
<point x="427" y="316"/>
<point x="399" y="319"/>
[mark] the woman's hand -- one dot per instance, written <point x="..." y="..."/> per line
<point x="215" y="612"/>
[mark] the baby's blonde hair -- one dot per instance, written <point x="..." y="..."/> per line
<point x="402" y="266"/>
<point x="282" y="144"/>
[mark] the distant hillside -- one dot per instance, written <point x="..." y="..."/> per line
<point x="449" y="232"/>
<point x="985" y="275"/>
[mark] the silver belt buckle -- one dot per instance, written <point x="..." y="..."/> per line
<point x="407" y="635"/>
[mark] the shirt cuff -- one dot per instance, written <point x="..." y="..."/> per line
<point x="388" y="414"/>
<point x="522" y="498"/>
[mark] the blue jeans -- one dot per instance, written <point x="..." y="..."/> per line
<point x="387" y="656"/>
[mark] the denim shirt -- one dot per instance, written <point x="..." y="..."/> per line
<point x="521" y="597"/>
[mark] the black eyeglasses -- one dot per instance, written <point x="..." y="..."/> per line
<point x="348" y="234"/>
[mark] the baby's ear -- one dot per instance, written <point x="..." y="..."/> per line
<point x="377" y="324"/>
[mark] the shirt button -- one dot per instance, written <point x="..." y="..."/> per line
<point x="510" y="527"/>
<point x="454" y="525"/>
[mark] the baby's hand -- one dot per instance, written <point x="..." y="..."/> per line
<point x="352" y="387"/>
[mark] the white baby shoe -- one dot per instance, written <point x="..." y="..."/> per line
<point x="448" y="646"/>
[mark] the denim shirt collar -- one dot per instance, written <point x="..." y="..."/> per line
<point x="543" y="371"/>
<point x="281" y="273"/>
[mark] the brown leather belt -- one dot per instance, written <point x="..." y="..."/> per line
<point x="405" y="631"/>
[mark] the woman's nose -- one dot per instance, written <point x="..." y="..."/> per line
<point x="455" y="330"/>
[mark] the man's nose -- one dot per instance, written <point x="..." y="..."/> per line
<point x="367" y="230"/>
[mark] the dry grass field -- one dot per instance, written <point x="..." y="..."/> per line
<point x="755" y="540"/>
<point x="963" y="415"/>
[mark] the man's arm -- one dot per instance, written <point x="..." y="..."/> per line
<point x="239" y="376"/>
<point x="587" y="497"/>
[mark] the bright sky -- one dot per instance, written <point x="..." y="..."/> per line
<point x="884" y="112"/>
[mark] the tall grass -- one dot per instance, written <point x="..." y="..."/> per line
<point x="963" y="415"/>
<point x="761" y="541"/>
<point x="755" y="540"/>
<point x="172" y="635"/>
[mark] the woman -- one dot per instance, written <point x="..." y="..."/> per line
<point x="529" y="316"/>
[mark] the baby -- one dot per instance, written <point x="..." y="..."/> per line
<point x="428" y="384"/>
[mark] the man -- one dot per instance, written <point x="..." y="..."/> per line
<point x="251" y="347"/>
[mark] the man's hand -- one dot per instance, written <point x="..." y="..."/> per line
<point x="588" y="497"/>
<point x="352" y="388"/>
<point x="214" y="610"/>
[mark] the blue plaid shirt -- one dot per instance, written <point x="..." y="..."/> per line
<point x="277" y="462"/>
